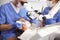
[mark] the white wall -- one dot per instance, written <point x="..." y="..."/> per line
<point x="35" y="3"/>
<point x="39" y="5"/>
<point x="4" y="1"/>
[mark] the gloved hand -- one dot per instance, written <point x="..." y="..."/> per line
<point x="19" y="24"/>
<point x="33" y="21"/>
<point x="23" y="25"/>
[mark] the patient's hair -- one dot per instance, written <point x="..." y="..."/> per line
<point x="57" y="0"/>
<point x="51" y="0"/>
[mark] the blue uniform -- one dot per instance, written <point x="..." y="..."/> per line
<point x="55" y="19"/>
<point x="9" y="16"/>
<point x="57" y="16"/>
<point x="46" y="10"/>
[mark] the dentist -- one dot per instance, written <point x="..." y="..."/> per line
<point x="9" y="14"/>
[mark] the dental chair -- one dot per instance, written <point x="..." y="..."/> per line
<point x="49" y="32"/>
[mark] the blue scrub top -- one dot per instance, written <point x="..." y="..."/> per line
<point x="9" y="16"/>
<point x="46" y="10"/>
<point x="57" y="16"/>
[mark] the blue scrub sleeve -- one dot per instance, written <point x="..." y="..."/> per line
<point x="33" y="21"/>
<point x="27" y="18"/>
<point x="2" y="15"/>
<point x="46" y="10"/>
<point x="49" y="21"/>
<point x="23" y="13"/>
<point x="3" y="21"/>
<point x="57" y="16"/>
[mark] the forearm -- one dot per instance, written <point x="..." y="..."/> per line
<point x="5" y="27"/>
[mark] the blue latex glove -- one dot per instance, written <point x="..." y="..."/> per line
<point x="19" y="24"/>
<point x="33" y="21"/>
